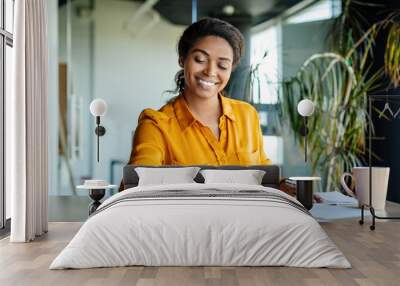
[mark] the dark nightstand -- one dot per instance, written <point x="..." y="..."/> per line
<point x="304" y="190"/>
<point x="96" y="193"/>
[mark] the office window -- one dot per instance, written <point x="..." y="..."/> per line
<point x="6" y="44"/>
<point x="265" y="52"/>
<point x="321" y="10"/>
<point x="9" y="12"/>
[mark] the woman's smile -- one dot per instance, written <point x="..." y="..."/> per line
<point x="207" y="67"/>
<point x="206" y="84"/>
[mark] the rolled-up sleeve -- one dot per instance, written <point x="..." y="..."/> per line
<point x="149" y="147"/>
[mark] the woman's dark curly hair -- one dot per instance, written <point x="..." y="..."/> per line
<point x="208" y="27"/>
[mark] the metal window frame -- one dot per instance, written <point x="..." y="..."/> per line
<point x="6" y="39"/>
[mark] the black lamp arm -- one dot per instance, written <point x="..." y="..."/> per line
<point x="100" y="131"/>
<point x="305" y="138"/>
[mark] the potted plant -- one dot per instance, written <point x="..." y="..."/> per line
<point x="338" y="82"/>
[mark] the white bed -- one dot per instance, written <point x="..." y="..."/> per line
<point x="224" y="225"/>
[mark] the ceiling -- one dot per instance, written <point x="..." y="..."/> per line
<point x="256" y="11"/>
<point x="252" y="11"/>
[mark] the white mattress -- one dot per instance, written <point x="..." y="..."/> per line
<point x="189" y="231"/>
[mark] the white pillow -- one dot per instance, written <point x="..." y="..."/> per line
<point x="248" y="177"/>
<point x="164" y="176"/>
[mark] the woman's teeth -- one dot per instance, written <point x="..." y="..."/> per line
<point x="207" y="83"/>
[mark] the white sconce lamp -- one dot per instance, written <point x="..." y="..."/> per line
<point x="98" y="108"/>
<point x="305" y="108"/>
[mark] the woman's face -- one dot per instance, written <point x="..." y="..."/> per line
<point x="207" y="66"/>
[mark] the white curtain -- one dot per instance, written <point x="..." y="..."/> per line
<point x="27" y="122"/>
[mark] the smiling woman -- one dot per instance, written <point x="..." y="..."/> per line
<point x="201" y="125"/>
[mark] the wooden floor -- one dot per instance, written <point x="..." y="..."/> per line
<point x="374" y="255"/>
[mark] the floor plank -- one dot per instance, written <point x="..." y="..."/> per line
<point x="375" y="257"/>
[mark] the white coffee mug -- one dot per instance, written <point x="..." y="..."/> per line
<point x="360" y="179"/>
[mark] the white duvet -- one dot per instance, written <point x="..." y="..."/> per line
<point x="200" y="231"/>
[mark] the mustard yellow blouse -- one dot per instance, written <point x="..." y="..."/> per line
<point x="173" y="136"/>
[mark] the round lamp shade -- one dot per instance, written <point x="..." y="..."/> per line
<point x="305" y="107"/>
<point x="228" y="10"/>
<point x="98" y="107"/>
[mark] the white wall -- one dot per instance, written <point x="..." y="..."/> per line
<point x="130" y="73"/>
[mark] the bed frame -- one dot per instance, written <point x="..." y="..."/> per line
<point x="270" y="179"/>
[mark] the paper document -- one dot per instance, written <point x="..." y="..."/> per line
<point x="337" y="198"/>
